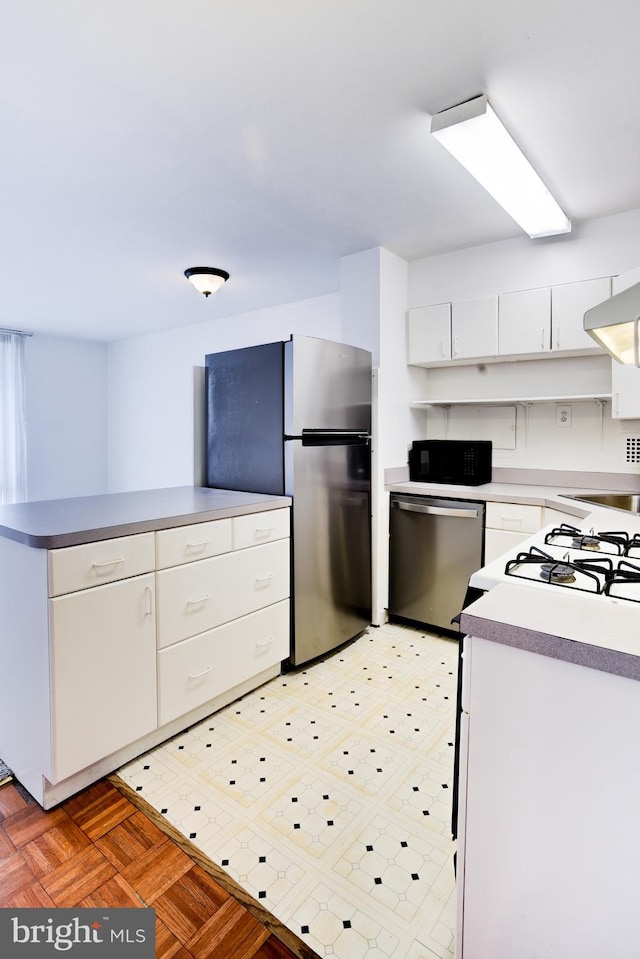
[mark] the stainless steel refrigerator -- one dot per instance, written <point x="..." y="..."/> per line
<point x="294" y="418"/>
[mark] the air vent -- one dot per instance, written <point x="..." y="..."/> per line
<point x="633" y="449"/>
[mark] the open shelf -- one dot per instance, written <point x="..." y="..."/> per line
<point x="509" y="401"/>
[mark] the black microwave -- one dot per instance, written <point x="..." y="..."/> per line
<point x="458" y="462"/>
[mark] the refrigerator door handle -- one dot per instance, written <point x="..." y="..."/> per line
<point x="333" y="437"/>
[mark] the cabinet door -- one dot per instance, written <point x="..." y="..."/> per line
<point x="429" y="335"/>
<point x="524" y="322"/>
<point x="103" y="671"/>
<point x="474" y="328"/>
<point x="557" y="516"/>
<point x="569" y="303"/>
<point x="624" y="280"/>
<point x="500" y="542"/>
<point x="625" y="387"/>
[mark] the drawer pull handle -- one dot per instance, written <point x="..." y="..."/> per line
<point x="199" y="601"/>
<point x="264" y="580"/>
<point x="200" y="545"/>
<point x="510" y="522"/>
<point x="264" y="531"/>
<point x="148" y="595"/>
<point x="109" y="562"/>
<point x="268" y="642"/>
<point x="203" y="672"/>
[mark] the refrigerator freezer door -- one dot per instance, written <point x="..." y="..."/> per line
<point x="332" y="554"/>
<point x="328" y="386"/>
<point x="244" y="419"/>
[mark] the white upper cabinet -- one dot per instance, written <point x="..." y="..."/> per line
<point x="453" y="332"/>
<point x="524" y="322"/>
<point x="625" y="387"/>
<point x="569" y="302"/>
<point x="625" y="280"/>
<point x="544" y="322"/>
<point x="474" y="328"/>
<point x="429" y="335"/>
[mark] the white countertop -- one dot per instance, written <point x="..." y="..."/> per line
<point x="570" y="625"/>
<point x="567" y="625"/>
<point x="555" y="497"/>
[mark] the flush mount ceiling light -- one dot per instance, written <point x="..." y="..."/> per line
<point x="206" y="279"/>
<point x="474" y="135"/>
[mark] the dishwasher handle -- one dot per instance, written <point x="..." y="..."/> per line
<point x="436" y="510"/>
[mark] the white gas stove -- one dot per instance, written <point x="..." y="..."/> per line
<point x="602" y="562"/>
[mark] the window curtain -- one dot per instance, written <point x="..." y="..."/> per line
<point x="13" y="443"/>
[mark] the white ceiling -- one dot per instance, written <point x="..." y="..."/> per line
<point x="141" y="137"/>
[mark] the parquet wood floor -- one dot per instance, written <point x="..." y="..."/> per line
<point x="99" y="849"/>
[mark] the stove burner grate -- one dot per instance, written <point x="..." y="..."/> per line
<point x="581" y="575"/>
<point x="625" y="573"/>
<point x="597" y="542"/>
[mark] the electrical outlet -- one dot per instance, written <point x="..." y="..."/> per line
<point x="563" y="416"/>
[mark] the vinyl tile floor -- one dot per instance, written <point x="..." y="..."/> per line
<point x="326" y="795"/>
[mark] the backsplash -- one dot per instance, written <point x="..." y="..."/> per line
<point x="572" y="430"/>
<point x="577" y="479"/>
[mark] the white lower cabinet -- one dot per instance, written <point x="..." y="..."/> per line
<point x="548" y="756"/>
<point x="223" y="620"/>
<point x="557" y="516"/>
<point x="198" y="596"/>
<point x="198" y="669"/>
<point x="103" y="649"/>
<point x="107" y="671"/>
<point x="507" y="525"/>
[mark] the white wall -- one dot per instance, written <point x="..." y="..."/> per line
<point x="66" y="411"/>
<point x="601" y="247"/>
<point x="151" y="387"/>
<point x="373" y="289"/>
<point x="604" y="247"/>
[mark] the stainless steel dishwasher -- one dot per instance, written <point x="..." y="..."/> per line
<point x="435" y="544"/>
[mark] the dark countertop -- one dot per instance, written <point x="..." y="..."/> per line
<point x="51" y="524"/>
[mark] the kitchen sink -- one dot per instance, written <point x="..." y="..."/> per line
<point x="625" y="501"/>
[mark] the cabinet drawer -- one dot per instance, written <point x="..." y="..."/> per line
<point x="198" y="669"/>
<point x="198" y="596"/>
<point x="256" y="528"/>
<point x="514" y="516"/>
<point x="186" y="544"/>
<point x="80" y="567"/>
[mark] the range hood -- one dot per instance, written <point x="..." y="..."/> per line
<point x="614" y="325"/>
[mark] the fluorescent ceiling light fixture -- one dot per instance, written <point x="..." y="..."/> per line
<point x="206" y="279"/>
<point x="614" y="325"/>
<point x="475" y="136"/>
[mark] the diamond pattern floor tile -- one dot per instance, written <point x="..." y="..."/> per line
<point x="326" y="793"/>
